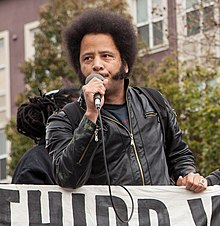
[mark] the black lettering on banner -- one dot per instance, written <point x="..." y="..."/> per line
<point x="102" y="214"/>
<point x="198" y="212"/>
<point x="215" y="219"/>
<point x="79" y="215"/>
<point x="55" y="207"/>
<point x="144" y="207"/>
<point x="6" y="197"/>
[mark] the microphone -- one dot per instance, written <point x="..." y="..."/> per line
<point x="97" y="96"/>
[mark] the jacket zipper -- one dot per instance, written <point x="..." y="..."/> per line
<point x="82" y="156"/>
<point x="132" y="143"/>
<point x="151" y="114"/>
<point x="96" y="134"/>
<point x="134" y="146"/>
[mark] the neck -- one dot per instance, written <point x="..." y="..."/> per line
<point x="116" y="95"/>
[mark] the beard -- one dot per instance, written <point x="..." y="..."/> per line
<point x="121" y="74"/>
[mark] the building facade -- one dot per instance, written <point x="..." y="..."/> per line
<point x="18" y="19"/>
<point x="188" y="28"/>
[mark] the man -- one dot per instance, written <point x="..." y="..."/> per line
<point x="104" y="43"/>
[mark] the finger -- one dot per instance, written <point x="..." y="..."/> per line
<point x="202" y="185"/>
<point x="180" y="181"/>
<point x="105" y="82"/>
<point x="196" y="182"/>
<point x="192" y="181"/>
<point x="189" y="185"/>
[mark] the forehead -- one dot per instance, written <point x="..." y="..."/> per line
<point x="91" y="42"/>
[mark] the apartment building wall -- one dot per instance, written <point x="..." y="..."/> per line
<point x="156" y="20"/>
<point x="198" y="31"/>
<point x="14" y="15"/>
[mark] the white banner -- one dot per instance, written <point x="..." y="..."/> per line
<point x="23" y="205"/>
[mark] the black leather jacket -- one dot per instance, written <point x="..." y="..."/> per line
<point x="135" y="157"/>
<point x="214" y="178"/>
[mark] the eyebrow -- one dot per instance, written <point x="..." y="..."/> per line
<point x="100" y="52"/>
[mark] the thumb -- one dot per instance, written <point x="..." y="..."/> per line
<point x="179" y="181"/>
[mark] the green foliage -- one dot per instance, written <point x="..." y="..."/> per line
<point x="48" y="69"/>
<point x="195" y="96"/>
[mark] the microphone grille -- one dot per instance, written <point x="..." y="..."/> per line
<point x="91" y="76"/>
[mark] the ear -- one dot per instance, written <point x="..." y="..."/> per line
<point x="126" y="67"/>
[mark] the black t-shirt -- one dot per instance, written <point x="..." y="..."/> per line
<point x="119" y="111"/>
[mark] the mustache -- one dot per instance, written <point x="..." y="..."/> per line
<point x="121" y="74"/>
<point x="105" y="75"/>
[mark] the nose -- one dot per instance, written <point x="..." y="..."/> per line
<point x="97" y="65"/>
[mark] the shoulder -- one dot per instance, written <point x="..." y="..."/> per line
<point x="31" y="156"/>
<point x="148" y="91"/>
<point x="74" y="112"/>
<point x="155" y="97"/>
<point x="30" y="162"/>
<point x="57" y="121"/>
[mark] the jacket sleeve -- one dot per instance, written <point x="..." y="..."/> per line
<point x="214" y="178"/>
<point x="180" y="158"/>
<point x="71" y="149"/>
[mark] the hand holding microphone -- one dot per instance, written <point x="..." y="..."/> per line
<point x="97" y="96"/>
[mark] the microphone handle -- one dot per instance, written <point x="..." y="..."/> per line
<point x="97" y="100"/>
<point x="97" y="96"/>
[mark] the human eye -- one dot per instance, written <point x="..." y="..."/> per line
<point x="87" y="58"/>
<point x="108" y="56"/>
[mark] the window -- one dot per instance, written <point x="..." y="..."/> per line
<point x="4" y="99"/>
<point x="150" y="17"/>
<point x="29" y="31"/>
<point x="199" y="16"/>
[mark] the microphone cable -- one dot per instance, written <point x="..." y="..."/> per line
<point x="108" y="177"/>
